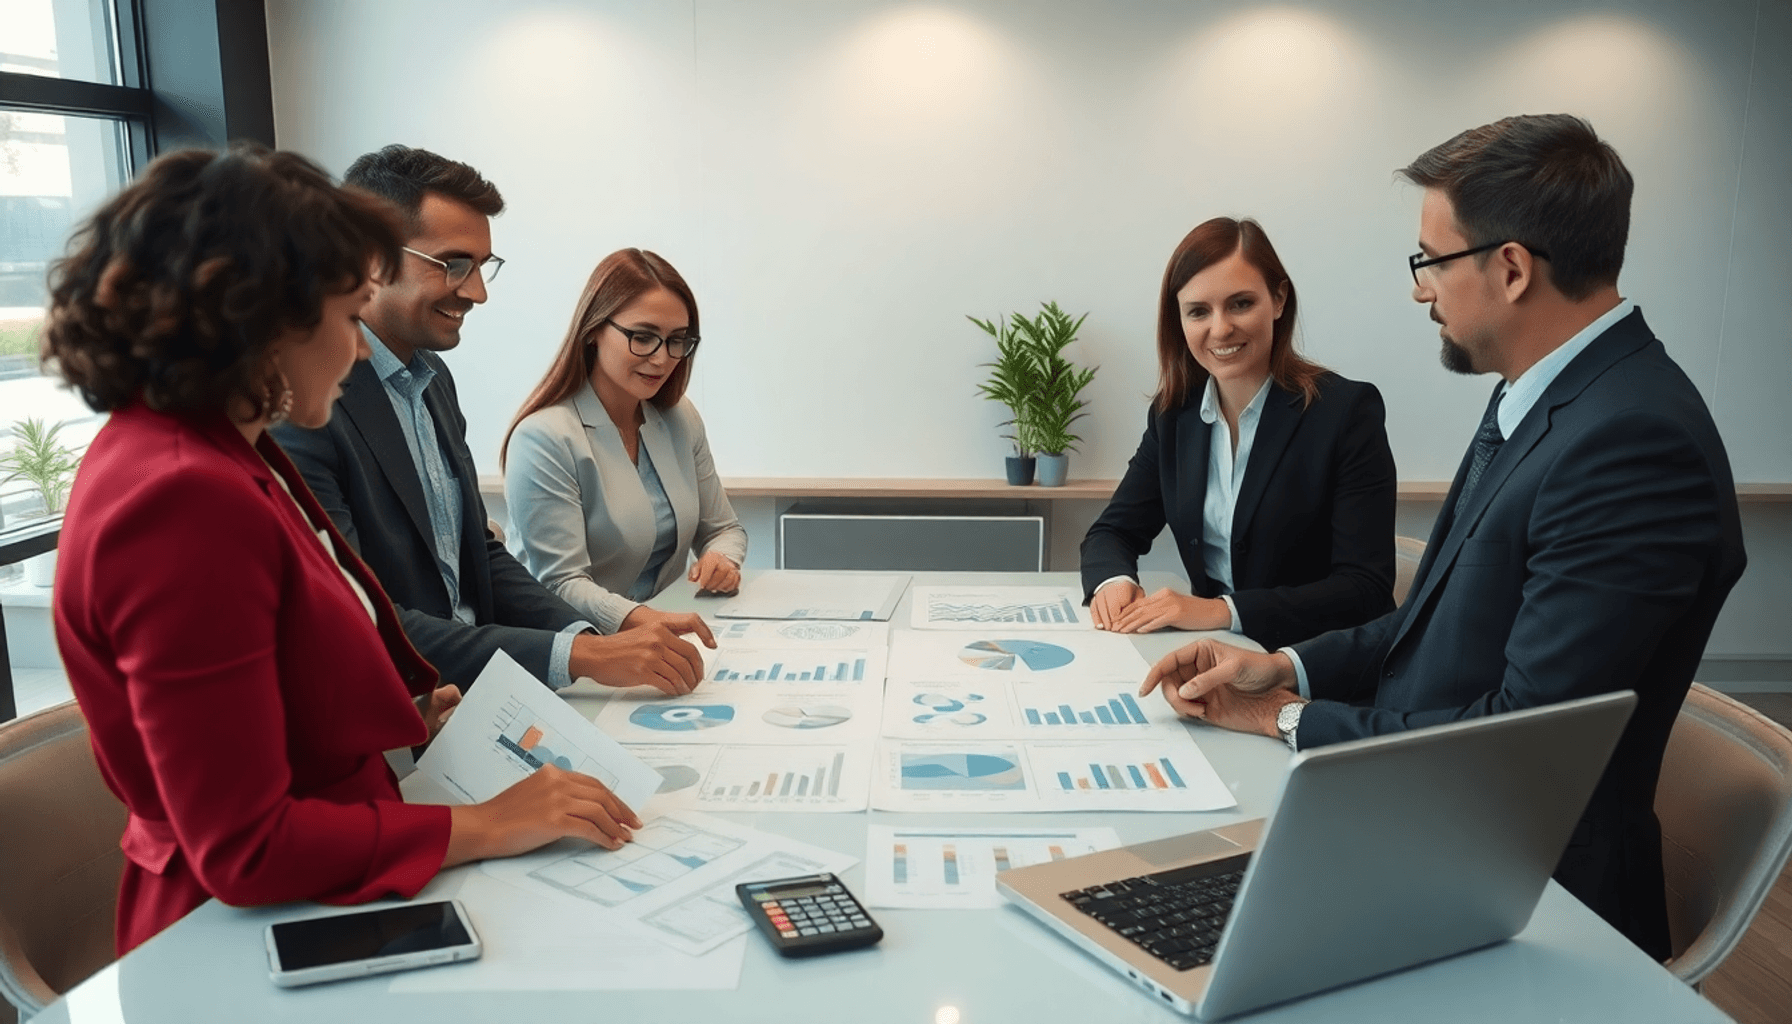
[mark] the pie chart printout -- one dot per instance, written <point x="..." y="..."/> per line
<point x="682" y="717"/>
<point x="818" y="716"/>
<point x="674" y="777"/>
<point x="972" y="771"/>
<point x="1002" y="655"/>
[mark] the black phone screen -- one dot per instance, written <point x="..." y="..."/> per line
<point x="389" y="931"/>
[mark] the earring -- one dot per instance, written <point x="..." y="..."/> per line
<point x="278" y="408"/>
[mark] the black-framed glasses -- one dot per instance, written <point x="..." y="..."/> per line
<point x="1418" y="260"/>
<point x="646" y="343"/>
<point x="457" y="269"/>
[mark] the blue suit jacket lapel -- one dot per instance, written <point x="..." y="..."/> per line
<point x="365" y="402"/>
<point x="1194" y="438"/>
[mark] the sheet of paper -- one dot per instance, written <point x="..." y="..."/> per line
<point x="740" y="664"/>
<point x="535" y="944"/>
<point x="786" y="714"/>
<point x="998" y="708"/>
<point x="676" y="878"/>
<point x="979" y="608"/>
<point x="761" y="778"/>
<point x="1157" y="773"/>
<point x="764" y="634"/>
<point x="784" y="594"/>
<point x="955" y="869"/>
<point x="509" y="725"/>
<point x="996" y="653"/>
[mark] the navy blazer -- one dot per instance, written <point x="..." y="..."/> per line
<point x="360" y="468"/>
<point x="1594" y="556"/>
<point x="1313" y="529"/>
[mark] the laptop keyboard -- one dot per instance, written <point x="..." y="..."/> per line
<point x="1176" y="916"/>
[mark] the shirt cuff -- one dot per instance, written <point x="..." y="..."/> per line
<point x="1237" y="627"/>
<point x="1300" y="671"/>
<point x="1112" y="579"/>
<point x="560" y="661"/>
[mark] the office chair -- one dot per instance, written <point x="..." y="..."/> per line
<point x="60" y="862"/>
<point x="1725" y="804"/>
<point x="1408" y="552"/>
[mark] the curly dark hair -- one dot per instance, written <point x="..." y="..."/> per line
<point x="172" y="290"/>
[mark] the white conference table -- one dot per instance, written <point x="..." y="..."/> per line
<point x="933" y="966"/>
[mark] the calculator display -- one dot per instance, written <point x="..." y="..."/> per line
<point x="794" y="892"/>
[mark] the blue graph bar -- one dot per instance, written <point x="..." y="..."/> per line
<point x="1051" y="718"/>
<point x="805" y="675"/>
<point x="1068" y="715"/>
<point x="784" y="790"/>
<point x="1032" y="716"/>
<point x="842" y="673"/>
<point x="1057" y="616"/>
<point x="773" y="671"/>
<point x="1170" y="770"/>
<point x="1138" y="777"/>
<point x="1106" y="714"/>
<point x="1064" y="780"/>
<point x="866" y="614"/>
<point x="1085" y="717"/>
<point x="858" y="670"/>
<point x="1133" y="706"/>
<point x="1101" y="778"/>
<point x="1069" y="611"/>
<point x="802" y="786"/>
<point x="1030" y="616"/>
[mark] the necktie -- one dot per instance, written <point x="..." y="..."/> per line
<point x="1487" y="443"/>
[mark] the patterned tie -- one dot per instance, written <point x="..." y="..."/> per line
<point x="1487" y="444"/>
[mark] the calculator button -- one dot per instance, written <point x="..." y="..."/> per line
<point x="825" y="929"/>
<point x="806" y="931"/>
<point x="860" y="922"/>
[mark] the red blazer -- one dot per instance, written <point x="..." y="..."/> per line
<point x="239" y="698"/>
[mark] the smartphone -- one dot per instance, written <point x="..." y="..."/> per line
<point x="364" y="942"/>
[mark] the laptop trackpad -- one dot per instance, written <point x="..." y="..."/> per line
<point x="1185" y="847"/>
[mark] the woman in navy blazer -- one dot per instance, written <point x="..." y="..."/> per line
<point x="240" y="669"/>
<point x="1273" y="474"/>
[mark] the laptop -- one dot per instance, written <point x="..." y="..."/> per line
<point x="1381" y="854"/>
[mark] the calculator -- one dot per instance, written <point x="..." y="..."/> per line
<point x="808" y="915"/>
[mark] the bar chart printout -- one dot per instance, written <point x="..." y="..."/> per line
<point x="818" y="668"/>
<point x="1121" y="709"/>
<point x="767" y="778"/>
<point x="1146" y="774"/>
<point x="980" y="607"/>
<point x="922" y="868"/>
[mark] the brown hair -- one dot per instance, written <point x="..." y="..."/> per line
<point x="1545" y="181"/>
<point x="174" y="288"/>
<point x="402" y="175"/>
<point x="622" y="277"/>
<point x="1178" y="374"/>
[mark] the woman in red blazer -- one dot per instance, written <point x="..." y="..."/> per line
<point x="240" y="669"/>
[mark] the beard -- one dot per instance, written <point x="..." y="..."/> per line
<point x="1455" y="358"/>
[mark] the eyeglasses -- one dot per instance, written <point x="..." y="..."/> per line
<point x="457" y="269"/>
<point x="1418" y="260"/>
<point x="646" y="343"/>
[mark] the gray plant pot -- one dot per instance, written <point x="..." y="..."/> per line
<point x="1020" y="471"/>
<point x="1053" y="469"/>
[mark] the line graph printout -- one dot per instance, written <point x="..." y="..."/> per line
<point x="932" y="868"/>
<point x="677" y="877"/>
<point x="1005" y="709"/>
<point x="995" y="654"/>
<point x="1011" y="608"/>
<point x="718" y="713"/>
<point x="784" y="594"/>
<point x="510" y="725"/>
<point x="1167" y="773"/>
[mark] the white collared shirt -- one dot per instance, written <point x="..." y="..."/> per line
<point x="1522" y="394"/>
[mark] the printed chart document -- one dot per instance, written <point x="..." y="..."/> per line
<point x="1019" y="709"/>
<point x="763" y="634"/>
<point x="955" y="869"/>
<point x="784" y="594"/>
<point x="676" y="878"/>
<point x="996" y="653"/>
<point x="765" y="778"/>
<point x="737" y="663"/>
<point x="534" y="943"/>
<point x="978" y="608"/>
<point x="509" y="725"/>
<point x="785" y="714"/>
<point x="1156" y="773"/>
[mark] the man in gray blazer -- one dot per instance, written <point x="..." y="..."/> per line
<point x="1590" y="536"/>
<point x="393" y="470"/>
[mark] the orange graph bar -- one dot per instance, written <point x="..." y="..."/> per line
<point x="1157" y="777"/>
<point x="1082" y="783"/>
<point x="771" y="782"/>
<point x="531" y="736"/>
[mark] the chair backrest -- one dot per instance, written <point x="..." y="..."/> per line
<point x="59" y="861"/>
<point x="1408" y="552"/>
<point x="1725" y="804"/>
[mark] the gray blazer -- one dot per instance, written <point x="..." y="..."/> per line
<point x="580" y="520"/>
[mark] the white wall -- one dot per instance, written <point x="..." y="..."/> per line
<point x="843" y="181"/>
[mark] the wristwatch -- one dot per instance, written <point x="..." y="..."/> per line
<point x="1288" y="721"/>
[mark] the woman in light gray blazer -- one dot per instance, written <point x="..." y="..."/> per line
<point x="607" y="470"/>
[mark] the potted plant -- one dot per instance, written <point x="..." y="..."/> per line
<point x="1040" y="387"/>
<point x="41" y="459"/>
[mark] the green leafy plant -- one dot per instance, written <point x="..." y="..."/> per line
<point x="1031" y="376"/>
<point x="43" y="460"/>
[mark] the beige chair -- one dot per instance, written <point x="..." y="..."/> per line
<point x="1725" y="804"/>
<point x="59" y="858"/>
<point x="1408" y="552"/>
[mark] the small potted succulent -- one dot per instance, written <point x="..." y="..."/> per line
<point x="40" y="458"/>
<point x="1041" y="389"/>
